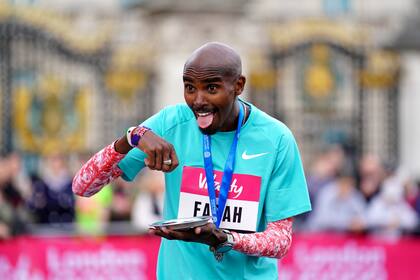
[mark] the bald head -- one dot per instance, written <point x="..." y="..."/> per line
<point x="216" y="57"/>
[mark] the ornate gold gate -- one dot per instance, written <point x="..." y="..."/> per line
<point x="322" y="79"/>
<point x="62" y="91"/>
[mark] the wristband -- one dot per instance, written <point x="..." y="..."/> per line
<point x="135" y="133"/>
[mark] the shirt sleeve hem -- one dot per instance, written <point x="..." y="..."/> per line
<point x="126" y="178"/>
<point x="288" y="214"/>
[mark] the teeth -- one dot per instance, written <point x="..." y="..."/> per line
<point x="203" y="114"/>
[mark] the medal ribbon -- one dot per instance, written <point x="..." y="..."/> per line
<point x="217" y="211"/>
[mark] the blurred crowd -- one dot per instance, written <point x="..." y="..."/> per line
<point x="42" y="201"/>
<point x="364" y="196"/>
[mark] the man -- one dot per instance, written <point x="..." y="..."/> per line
<point x="256" y="174"/>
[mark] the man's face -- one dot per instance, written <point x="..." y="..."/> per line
<point x="211" y="96"/>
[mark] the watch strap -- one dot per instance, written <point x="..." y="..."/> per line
<point x="225" y="246"/>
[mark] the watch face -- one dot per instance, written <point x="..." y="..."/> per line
<point x="224" y="248"/>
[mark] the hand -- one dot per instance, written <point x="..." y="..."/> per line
<point x="356" y="225"/>
<point x="158" y="150"/>
<point x="207" y="234"/>
<point x="4" y="231"/>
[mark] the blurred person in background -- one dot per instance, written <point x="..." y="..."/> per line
<point x="52" y="200"/>
<point x="122" y="201"/>
<point x="416" y="205"/>
<point x="148" y="204"/>
<point x="339" y="207"/>
<point x="13" y="189"/>
<point x="323" y="171"/>
<point x="370" y="177"/>
<point x="389" y="213"/>
<point x="93" y="214"/>
<point x="411" y="192"/>
<point x="269" y="174"/>
<point x="6" y="218"/>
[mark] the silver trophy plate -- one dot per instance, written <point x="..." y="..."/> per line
<point x="183" y="223"/>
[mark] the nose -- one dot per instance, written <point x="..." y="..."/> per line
<point x="200" y="99"/>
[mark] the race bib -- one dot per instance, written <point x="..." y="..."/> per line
<point x="241" y="211"/>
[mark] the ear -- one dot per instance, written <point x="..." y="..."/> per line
<point x="239" y="85"/>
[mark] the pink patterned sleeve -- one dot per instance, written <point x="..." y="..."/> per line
<point x="274" y="242"/>
<point x="98" y="171"/>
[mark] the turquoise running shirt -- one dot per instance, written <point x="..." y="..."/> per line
<point x="268" y="185"/>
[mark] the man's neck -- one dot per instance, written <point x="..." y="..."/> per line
<point x="234" y="124"/>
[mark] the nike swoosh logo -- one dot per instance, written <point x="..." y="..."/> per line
<point x="246" y="157"/>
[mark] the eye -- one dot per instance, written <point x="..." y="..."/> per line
<point x="189" y="88"/>
<point x="212" y="88"/>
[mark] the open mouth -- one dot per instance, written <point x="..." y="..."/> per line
<point x="204" y="119"/>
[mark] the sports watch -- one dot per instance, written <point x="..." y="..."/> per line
<point x="227" y="245"/>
